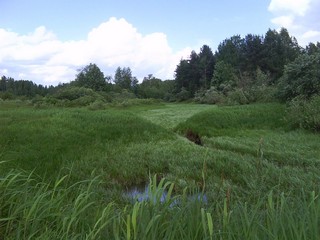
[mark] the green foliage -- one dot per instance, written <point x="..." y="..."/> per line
<point x="223" y="75"/>
<point x="210" y="96"/>
<point x="124" y="79"/>
<point x="305" y="114"/>
<point x="70" y="96"/>
<point x="269" y="53"/>
<point x="10" y="88"/>
<point x="91" y="77"/>
<point x="237" y="96"/>
<point x="183" y="95"/>
<point x="262" y="94"/>
<point x="73" y="93"/>
<point x="195" y="73"/>
<point x="97" y="105"/>
<point x="279" y="49"/>
<point x="313" y="48"/>
<point x="230" y="51"/>
<point x="152" y="87"/>
<point x="301" y="78"/>
<point x="6" y="96"/>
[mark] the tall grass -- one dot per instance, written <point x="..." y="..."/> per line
<point x="47" y="140"/>
<point x="231" y="120"/>
<point x="32" y="209"/>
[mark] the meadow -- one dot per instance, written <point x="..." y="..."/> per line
<point x="64" y="173"/>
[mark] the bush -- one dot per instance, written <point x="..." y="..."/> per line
<point x="183" y="95"/>
<point x="300" y="78"/>
<point x="72" y="93"/>
<point x="124" y="95"/>
<point x="210" y="96"/>
<point x="6" y="96"/>
<point x="97" y="105"/>
<point x="238" y="96"/>
<point x="305" y="114"/>
<point x="262" y="93"/>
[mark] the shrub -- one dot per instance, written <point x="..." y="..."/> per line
<point x="238" y="97"/>
<point x="6" y="96"/>
<point x="305" y="114"/>
<point x="262" y="93"/>
<point x="97" y="105"/>
<point x="300" y="78"/>
<point x="183" y="95"/>
<point x="124" y="95"/>
<point x="73" y="93"/>
<point x="83" y="101"/>
<point x="210" y="96"/>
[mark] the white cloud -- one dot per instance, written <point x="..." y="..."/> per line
<point x="3" y="72"/>
<point x="284" y="21"/>
<point x="300" y="17"/>
<point x="298" y="7"/>
<point x="311" y="34"/>
<point x="41" y="57"/>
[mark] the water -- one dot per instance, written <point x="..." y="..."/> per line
<point x="142" y="194"/>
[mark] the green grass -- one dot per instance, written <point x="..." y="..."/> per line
<point x="32" y="209"/>
<point x="170" y="115"/>
<point x="233" y="120"/>
<point x="46" y="140"/>
<point x="64" y="172"/>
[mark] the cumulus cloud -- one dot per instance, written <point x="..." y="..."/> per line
<point x="311" y="34"/>
<point x="40" y="56"/>
<point x="284" y="21"/>
<point x="300" y="17"/>
<point x="298" y="7"/>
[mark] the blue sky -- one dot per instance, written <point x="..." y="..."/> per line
<point x="47" y="41"/>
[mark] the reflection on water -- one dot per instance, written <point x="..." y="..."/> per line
<point x="142" y="194"/>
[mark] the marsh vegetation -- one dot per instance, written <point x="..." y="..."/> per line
<point x="64" y="172"/>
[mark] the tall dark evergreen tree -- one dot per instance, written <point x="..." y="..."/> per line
<point x="313" y="48"/>
<point x="206" y="66"/>
<point x="196" y="72"/>
<point x="230" y="51"/>
<point x="279" y="50"/>
<point x="252" y="51"/>
<point x="182" y="75"/>
<point x="3" y="83"/>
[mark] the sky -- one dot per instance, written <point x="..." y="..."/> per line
<point x="47" y="42"/>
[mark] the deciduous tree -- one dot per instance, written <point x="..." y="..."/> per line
<point x="91" y="77"/>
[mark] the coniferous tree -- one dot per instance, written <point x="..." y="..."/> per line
<point x="196" y="72"/>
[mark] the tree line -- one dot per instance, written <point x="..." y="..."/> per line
<point x="242" y="70"/>
<point x="245" y="64"/>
